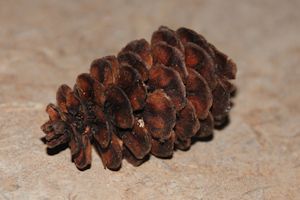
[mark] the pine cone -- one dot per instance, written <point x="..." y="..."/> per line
<point x="148" y="99"/>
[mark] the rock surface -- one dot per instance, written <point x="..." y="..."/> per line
<point x="46" y="43"/>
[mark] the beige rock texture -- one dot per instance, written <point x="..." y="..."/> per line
<point x="257" y="156"/>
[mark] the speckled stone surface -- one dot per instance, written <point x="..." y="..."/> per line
<point x="46" y="43"/>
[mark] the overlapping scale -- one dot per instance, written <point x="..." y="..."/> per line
<point x="166" y="78"/>
<point x="159" y="115"/>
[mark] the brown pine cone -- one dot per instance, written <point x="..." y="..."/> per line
<point x="148" y="99"/>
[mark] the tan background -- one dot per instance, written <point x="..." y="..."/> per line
<point x="46" y="43"/>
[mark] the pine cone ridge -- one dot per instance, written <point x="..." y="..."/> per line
<point x="150" y="99"/>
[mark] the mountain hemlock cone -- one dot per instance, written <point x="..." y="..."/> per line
<point x="151" y="98"/>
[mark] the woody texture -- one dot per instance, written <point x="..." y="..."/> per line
<point x="151" y="98"/>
